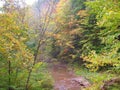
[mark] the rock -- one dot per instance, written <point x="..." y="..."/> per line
<point x="110" y="82"/>
<point x="82" y="81"/>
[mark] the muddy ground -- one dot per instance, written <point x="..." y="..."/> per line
<point x="65" y="78"/>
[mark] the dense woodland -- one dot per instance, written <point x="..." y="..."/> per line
<point x="84" y="34"/>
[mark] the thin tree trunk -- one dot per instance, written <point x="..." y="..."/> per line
<point x="29" y="74"/>
<point x="9" y="73"/>
<point x="43" y="29"/>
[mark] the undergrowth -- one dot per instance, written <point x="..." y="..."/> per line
<point x="42" y="80"/>
<point x="96" y="79"/>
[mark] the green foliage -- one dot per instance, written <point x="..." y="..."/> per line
<point x="78" y="5"/>
<point x="106" y="36"/>
<point x="40" y="78"/>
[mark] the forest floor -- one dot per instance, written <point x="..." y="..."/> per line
<point x="65" y="78"/>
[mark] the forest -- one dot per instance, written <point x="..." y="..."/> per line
<point x="60" y="45"/>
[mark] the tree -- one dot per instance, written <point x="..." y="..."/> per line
<point x="15" y="58"/>
<point x="105" y="53"/>
<point x="70" y="18"/>
<point x="42" y="17"/>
